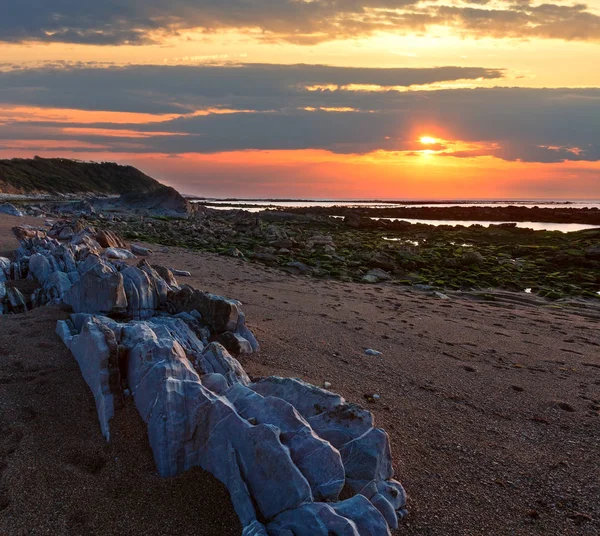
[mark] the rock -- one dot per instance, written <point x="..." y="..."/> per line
<point x="320" y="240"/>
<point x="164" y="201"/>
<point x="139" y="250"/>
<point x="119" y="254"/>
<point x="382" y="261"/>
<point x="4" y="268"/>
<point x="353" y="221"/>
<point x="16" y="300"/>
<point x="219" y="313"/>
<point x="95" y="349"/>
<point x="267" y="258"/>
<point x="471" y="258"/>
<point x="40" y="267"/>
<point x="8" y="208"/>
<point x="143" y="298"/>
<point x="234" y="252"/>
<point x="166" y="274"/>
<point x="216" y="359"/>
<point x="297" y="267"/>
<point x="319" y="463"/>
<point x="108" y="239"/>
<point x="593" y="252"/>
<point x="342" y="423"/>
<point x="235" y="343"/>
<point x="376" y="275"/>
<point x="327" y="385"/>
<point x="100" y="290"/>
<point x="26" y="231"/>
<point x="57" y="285"/>
<point x="180" y="273"/>
<point x="441" y="295"/>
<point x="354" y="517"/>
<point x="308" y="400"/>
<point x="372" y="352"/>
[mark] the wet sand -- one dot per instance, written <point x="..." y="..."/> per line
<point x="492" y="411"/>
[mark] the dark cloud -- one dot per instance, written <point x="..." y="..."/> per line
<point x="184" y="89"/>
<point x="118" y="22"/>
<point x="273" y="110"/>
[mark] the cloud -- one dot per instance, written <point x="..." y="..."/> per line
<point x="140" y="22"/>
<point x="268" y="107"/>
<point x="185" y="89"/>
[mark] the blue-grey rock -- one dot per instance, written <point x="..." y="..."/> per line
<point x="95" y="349"/>
<point x="215" y="383"/>
<point x="368" y="458"/>
<point x="4" y="268"/>
<point x="10" y="209"/>
<point x="318" y="461"/>
<point x="313" y="519"/>
<point x="100" y="290"/>
<point x="308" y="399"/>
<point x="366" y="517"/>
<point x="142" y="296"/>
<point x="343" y="424"/>
<point x="40" y="267"/>
<point x="118" y="254"/>
<point x="217" y="359"/>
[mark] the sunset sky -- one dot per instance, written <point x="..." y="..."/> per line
<point x="393" y="99"/>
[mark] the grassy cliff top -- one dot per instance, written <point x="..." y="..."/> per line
<point x="64" y="176"/>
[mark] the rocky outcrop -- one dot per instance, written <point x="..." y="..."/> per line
<point x="286" y="450"/>
<point x="165" y="200"/>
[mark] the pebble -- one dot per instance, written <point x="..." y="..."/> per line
<point x="327" y="385"/>
<point x="372" y="352"/>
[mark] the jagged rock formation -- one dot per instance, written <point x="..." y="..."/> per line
<point x="286" y="450"/>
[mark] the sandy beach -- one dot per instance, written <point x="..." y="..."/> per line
<point x="492" y="409"/>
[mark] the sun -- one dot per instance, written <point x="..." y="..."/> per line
<point x="428" y="140"/>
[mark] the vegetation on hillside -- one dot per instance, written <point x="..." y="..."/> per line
<point x="64" y="176"/>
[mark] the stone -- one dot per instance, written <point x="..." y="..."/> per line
<point x="57" y="285"/>
<point x="10" y="209"/>
<point x="4" y="268"/>
<point x="308" y="399"/>
<point x="219" y="313"/>
<point x="143" y="297"/>
<point x="297" y="267"/>
<point x="376" y="275"/>
<point x="166" y="274"/>
<point x="119" y="254"/>
<point x="16" y="300"/>
<point x="235" y="343"/>
<point x="40" y="267"/>
<point x="140" y="250"/>
<point x="100" y="290"/>
<point x="367" y="458"/>
<point x="342" y="424"/>
<point x="234" y="252"/>
<point x="95" y="350"/>
<point x="371" y="352"/>
<point x="181" y="273"/>
<point x="317" y="460"/>
<point x="216" y="359"/>
<point x="471" y="258"/>
<point x="108" y="239"/>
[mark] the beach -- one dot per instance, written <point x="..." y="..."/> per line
<point x="492" y="408"/>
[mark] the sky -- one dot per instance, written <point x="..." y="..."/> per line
<point x="338" y="99"/>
